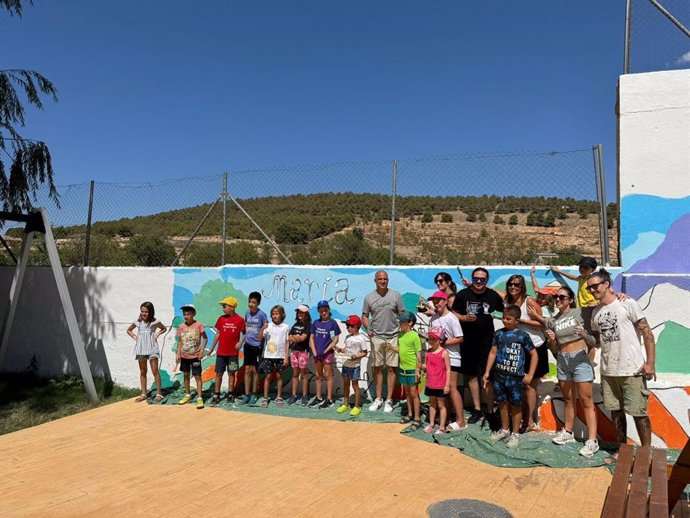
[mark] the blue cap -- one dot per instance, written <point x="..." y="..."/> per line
<point x="322" y="304"/>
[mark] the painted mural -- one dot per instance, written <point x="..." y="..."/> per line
<point x="346" y="287"/>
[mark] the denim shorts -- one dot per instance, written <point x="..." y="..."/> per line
<point x="406" y="377"/>
<point x="574" y="366"/>
<point x="229" y="363"/>
<point x="353" y="373"/>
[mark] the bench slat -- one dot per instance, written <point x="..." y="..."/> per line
<point x="616" y="498"/>
<point x="637" y="497"/>
<point x="658" y="499"/>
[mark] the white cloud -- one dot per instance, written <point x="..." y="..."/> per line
<point x="685" y="58"/>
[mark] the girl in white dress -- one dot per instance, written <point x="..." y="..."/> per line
<point x="148" y="329"/>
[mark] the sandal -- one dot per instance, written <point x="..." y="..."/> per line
<point x="159" y="397"/>
<point x="264" y="403"/>
<point x="405" y="419"/>
<point x="416" y="425"/>
<point x="429" y="428"/>
<point x="140" y="398"/>
<point x="279" y="401"/>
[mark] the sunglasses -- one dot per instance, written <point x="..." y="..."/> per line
<point x="594" y="287"/>
<point x="514" y="285"/>
<point x="439" y="281"/>
<point x="561" y="297"/>
<point x="479" y="280"/>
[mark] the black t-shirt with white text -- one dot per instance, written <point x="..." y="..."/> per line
<point x="481" y="304"/>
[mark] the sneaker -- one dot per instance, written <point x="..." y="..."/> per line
<point x="499" y="435"/>
<point x="514" y="441"/>
<point x="199" y="403"/>
<point x="292" y="400"/>
<point x="305" y="400"/>
<point x="355" y="411"/>
<point x="343" y="408"/>
<point x="378" y="403"/>
<point x="215" y="400"/>
<point x="590" y="448"/>
<point x="563" y="437"/>
<point x="315" y="402"/>
<point x="252" y="399"/>
<point x="231" y="399"/>
<point x="185" y="399"/>
<point x="245" y="399"/>
<point x="388" y="406"/>
<point x="475" y="417"/>
<point x="429" y="428"/>
<point x="327" y="403"/>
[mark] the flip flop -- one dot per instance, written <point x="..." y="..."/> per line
<point x="405" y="419"/>
<point x="455" y="427"/>
<point x="159" y="397"/>
<point x="140" y="398"/>
<point x="264" y="403"/>
<point x="279" y="401"/>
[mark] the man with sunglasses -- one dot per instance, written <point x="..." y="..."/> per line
<point x="473" y="307"/>
<point x="625" y="368"/>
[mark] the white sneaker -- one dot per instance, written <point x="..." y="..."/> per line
<point x="499" y="435"/>
<point x="590" y="448"/>
<point x="388" y="407"/>
<point x="514" y="441"/>
<point x="563" y="437"/>
<point x="378" y="403"/>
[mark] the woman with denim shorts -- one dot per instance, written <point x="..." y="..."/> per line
<point x="567" y="334"/>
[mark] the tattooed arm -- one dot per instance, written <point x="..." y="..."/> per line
<point x="648" y="368"/>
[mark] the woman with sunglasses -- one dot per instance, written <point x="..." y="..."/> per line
<point x="444" y="282"/>
<point x="575" y="372"/>
<point x="516" y="295"/>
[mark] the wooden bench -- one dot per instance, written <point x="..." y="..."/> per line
<point x="641" y="469"/>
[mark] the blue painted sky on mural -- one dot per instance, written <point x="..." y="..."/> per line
<point x="157" y="89"/>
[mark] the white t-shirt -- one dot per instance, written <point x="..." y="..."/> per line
<point x="621" y="351"/>
<point x="451" y="325"/>
<point x="275" y="338"/>
<point x="354" y="344"/>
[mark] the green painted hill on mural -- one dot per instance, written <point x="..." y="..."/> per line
<point x="672" y="349"/>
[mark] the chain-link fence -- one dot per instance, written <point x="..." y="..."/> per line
<point x="494" y="208"/>
<point x="657" y="35"/>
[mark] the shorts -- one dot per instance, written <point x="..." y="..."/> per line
<point x="381" y="355"/>
<point x="147" y="356"/>
<point x="475" y="355"/>
<point x="193" y="364"/>
<point x="457" y="369"/>
<point x="299" y="359"/>
<point x="229" y="363"/>
<point x="353" y="373"/>
<point x="574" y="366"/>
<point x="327" y="358"/>
<point x="432" y="392"/>
<point x="269" y="365"/>
<point x="508" y="388"/>
<point x="407" y="376"/>
<point x="628" y="393"/>
<point x="542" y="361"/>
<point x="252" y="355"/>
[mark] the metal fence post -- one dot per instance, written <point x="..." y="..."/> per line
<point x="87" y="245"/>
<point x="225" y="199"/>
<point x="394" y="194"/>
<point x="626" y="46"/>
<point x="598" y="156"/>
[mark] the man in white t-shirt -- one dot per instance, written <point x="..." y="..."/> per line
<point x="625" y="366"/>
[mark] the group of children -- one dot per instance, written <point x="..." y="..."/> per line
<point x="271" y="345"/>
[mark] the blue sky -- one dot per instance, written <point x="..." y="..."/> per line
<point x="162" y="89"/>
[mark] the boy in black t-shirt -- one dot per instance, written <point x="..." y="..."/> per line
<point x="298" y="339"/>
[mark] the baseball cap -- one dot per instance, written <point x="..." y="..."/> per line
<point x="229" y="301"/>
<point x="303" y="308"/>
<point x="438" y="295"/>
<point x="322" y="304"/>
<point x="548" y="290"/>
<point x="407" y="316"/>
<point x="437" y="332"/>
<point x="354" y="320"/>
<point x="188" y="307"/>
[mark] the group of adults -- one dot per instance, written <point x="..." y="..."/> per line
<point x="569" y="325"/>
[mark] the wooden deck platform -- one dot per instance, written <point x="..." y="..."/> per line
<point x="131" y="459"/>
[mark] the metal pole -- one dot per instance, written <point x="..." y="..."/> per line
<point x="604" y="213"/>
<point x="628" y="27"/>
<point x="196" y="231"/>
<point x="670" y="17"/>
<point x="393" y="195"/>
<point x="225" y="199"/>
<point x="87" y="246"/>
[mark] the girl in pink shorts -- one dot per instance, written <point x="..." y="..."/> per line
<point x="298" y="339"/>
